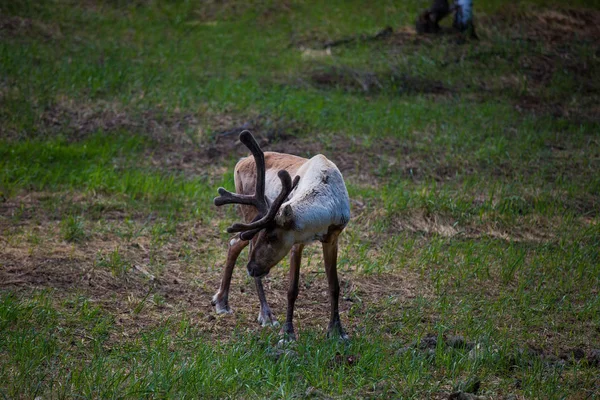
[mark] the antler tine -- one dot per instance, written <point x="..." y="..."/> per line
<point x="258" y="198"/>
<point x="248" y="235"/>
<point x="251" y="228"/>
<point x="226" y="197"/>
<point x="259" y="160"/>
<point x="295" y="182"/>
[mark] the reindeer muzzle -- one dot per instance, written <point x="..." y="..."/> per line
<point x="255" y="271"/>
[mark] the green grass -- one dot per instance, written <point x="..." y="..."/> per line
<point x="176" y="360"/>
<point x="100" y="164"/>
<point x="473" y="170"/>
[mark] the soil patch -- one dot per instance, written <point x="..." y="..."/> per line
<point x="186" y="142"/>
<point x="197" y="144"/>
<point x="526" y="231"/>
<point x="76" y="120"/>
<point x="555" y="25"/>
<point x="18" y="27"/>
<point x="396" y="37"/>
<point x="200" y="150"/>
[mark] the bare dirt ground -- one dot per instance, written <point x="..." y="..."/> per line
<point x="152" y="282"/>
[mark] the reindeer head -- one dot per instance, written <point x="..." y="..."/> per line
<point x="270" y="233"/>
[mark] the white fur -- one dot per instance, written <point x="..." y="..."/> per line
<point x="319" y="201"/>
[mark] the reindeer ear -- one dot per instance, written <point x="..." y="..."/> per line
<point x="285" y="218"/>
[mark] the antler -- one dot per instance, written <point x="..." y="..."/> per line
<point x="266" y="214"/>
<point x="286" y="188"/>
<point x="258" y="198"/>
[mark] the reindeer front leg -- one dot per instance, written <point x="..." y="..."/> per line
<point x="221" y="299"/>
<point x="330" y="249"/>
<point x="265" y="316"/>
<point x="295" y="259"/>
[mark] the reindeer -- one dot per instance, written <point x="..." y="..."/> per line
<point x="281" y="215"/>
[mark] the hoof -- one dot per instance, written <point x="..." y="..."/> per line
<point x="288" y="335"/>
<point x="342" y="338"/>
<point x="221" y="307"/>
<point x="338" y="333"/>
<point x="267" y="319"/>
<point x="286" y="340"/>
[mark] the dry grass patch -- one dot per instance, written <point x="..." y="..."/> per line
<point x="367" y="82"/>
<point x="555" y="30"/>
<point x="534" y="229"/>
<point x="15" y="27"/>
<point x="145" y="279"/>
<point x="547" y="25"/>
<point x="76" y="119"/>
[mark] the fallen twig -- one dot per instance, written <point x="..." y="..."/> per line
<point x="382" y="34"/>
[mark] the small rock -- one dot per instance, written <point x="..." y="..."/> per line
<point x="209" y="318"/>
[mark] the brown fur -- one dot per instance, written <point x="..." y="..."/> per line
<point x="245" y="175"/>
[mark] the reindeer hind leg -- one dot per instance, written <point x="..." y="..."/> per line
<point x="295" y="258"/>
<point x="330" y="250"/>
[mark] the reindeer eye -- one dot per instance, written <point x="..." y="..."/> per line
<point x="271" y="237"/>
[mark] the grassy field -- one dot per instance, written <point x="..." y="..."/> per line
<point x="472" y="259"/>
